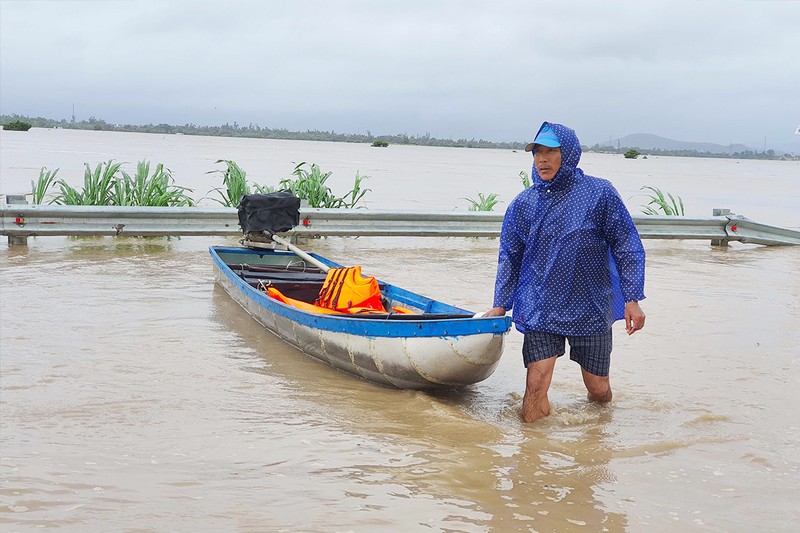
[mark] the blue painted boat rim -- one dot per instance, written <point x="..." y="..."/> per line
<point x="361" y="326"/>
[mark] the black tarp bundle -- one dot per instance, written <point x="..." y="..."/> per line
<point x="274" y="212"/>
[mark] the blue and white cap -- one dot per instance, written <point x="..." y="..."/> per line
<point x="545" y="137"/>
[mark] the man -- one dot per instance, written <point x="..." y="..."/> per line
<point x="571" y="263"/>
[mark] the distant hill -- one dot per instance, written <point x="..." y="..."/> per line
<point x="648" y="141"/>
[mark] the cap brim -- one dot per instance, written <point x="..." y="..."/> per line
<point x="531" y="147"/>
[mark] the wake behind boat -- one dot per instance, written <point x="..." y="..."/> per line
<point x="402" y="339"/>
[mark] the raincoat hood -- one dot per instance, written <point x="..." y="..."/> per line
<point x="570" y="153"/>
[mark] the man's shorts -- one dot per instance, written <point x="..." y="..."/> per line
<point x="592" y="352"/>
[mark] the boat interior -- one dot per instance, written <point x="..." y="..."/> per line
<point x="298" y="282"/>
<point x="303" y="283"/>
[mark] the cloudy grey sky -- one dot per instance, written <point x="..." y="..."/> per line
<point x="715" y="71"/>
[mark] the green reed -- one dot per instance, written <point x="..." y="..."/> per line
<point x="356" y="193"/>
<point x="526" y="179"/>
<point x="234" y="181"/>
<point x="41" y="186"/>
<point x="235" y="184"/>
<point x="661" y="203"/>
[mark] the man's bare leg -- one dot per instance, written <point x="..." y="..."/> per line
<point x="535" y="404"/>
<point x="599" y="387"/>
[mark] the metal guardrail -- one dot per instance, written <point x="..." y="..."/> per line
<point x="19" y="221"/>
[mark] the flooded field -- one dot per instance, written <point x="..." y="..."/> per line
<point x="136" y="395"/>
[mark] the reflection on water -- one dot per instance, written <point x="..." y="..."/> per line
<point x="133" y="391"/>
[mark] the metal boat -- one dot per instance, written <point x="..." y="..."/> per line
<point x="437" y="345"/>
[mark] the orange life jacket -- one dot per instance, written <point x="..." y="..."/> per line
<point x="345" y="289"/>
<point x="305" y="306"/>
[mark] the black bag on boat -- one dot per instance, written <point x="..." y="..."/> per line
<point x="274" y="212"/>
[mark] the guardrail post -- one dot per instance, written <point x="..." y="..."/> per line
<point x="720" y="213"/>
<point x="16" y="199"/>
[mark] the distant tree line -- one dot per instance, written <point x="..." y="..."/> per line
<point x="256" y="131"/>
<point x="747" y="154"/>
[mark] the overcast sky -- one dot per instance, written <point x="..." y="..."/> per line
<point x="715" y="71"/>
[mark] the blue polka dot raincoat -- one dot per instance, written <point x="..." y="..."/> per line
<point x="570" y="255"/>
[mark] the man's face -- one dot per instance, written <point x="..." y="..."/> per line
<point x="547" y="161"/>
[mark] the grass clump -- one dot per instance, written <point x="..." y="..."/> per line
<point x="107" y="185"/>
<point x="631" y="154"/>
<point x="308" y="184"/>
<point x="235" y="185"/>
<point x="98" y="186"/>
<point x="146" y="189"/>
<point x="380" y="144"/>
<point x="483" y="203"/>
<point x="662" y="203"/>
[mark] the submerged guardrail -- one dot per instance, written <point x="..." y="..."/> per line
<point x="20" y="221"/>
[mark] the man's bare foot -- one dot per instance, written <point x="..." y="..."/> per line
<point x="534" y="408"/>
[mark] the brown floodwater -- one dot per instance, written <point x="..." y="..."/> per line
<point x="136" y="395"/>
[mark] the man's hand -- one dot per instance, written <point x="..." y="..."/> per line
<point x="495" y="311"/>
<point x="634" y="317"/>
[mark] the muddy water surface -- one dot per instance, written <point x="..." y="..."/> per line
<point x="135" y="395"/>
